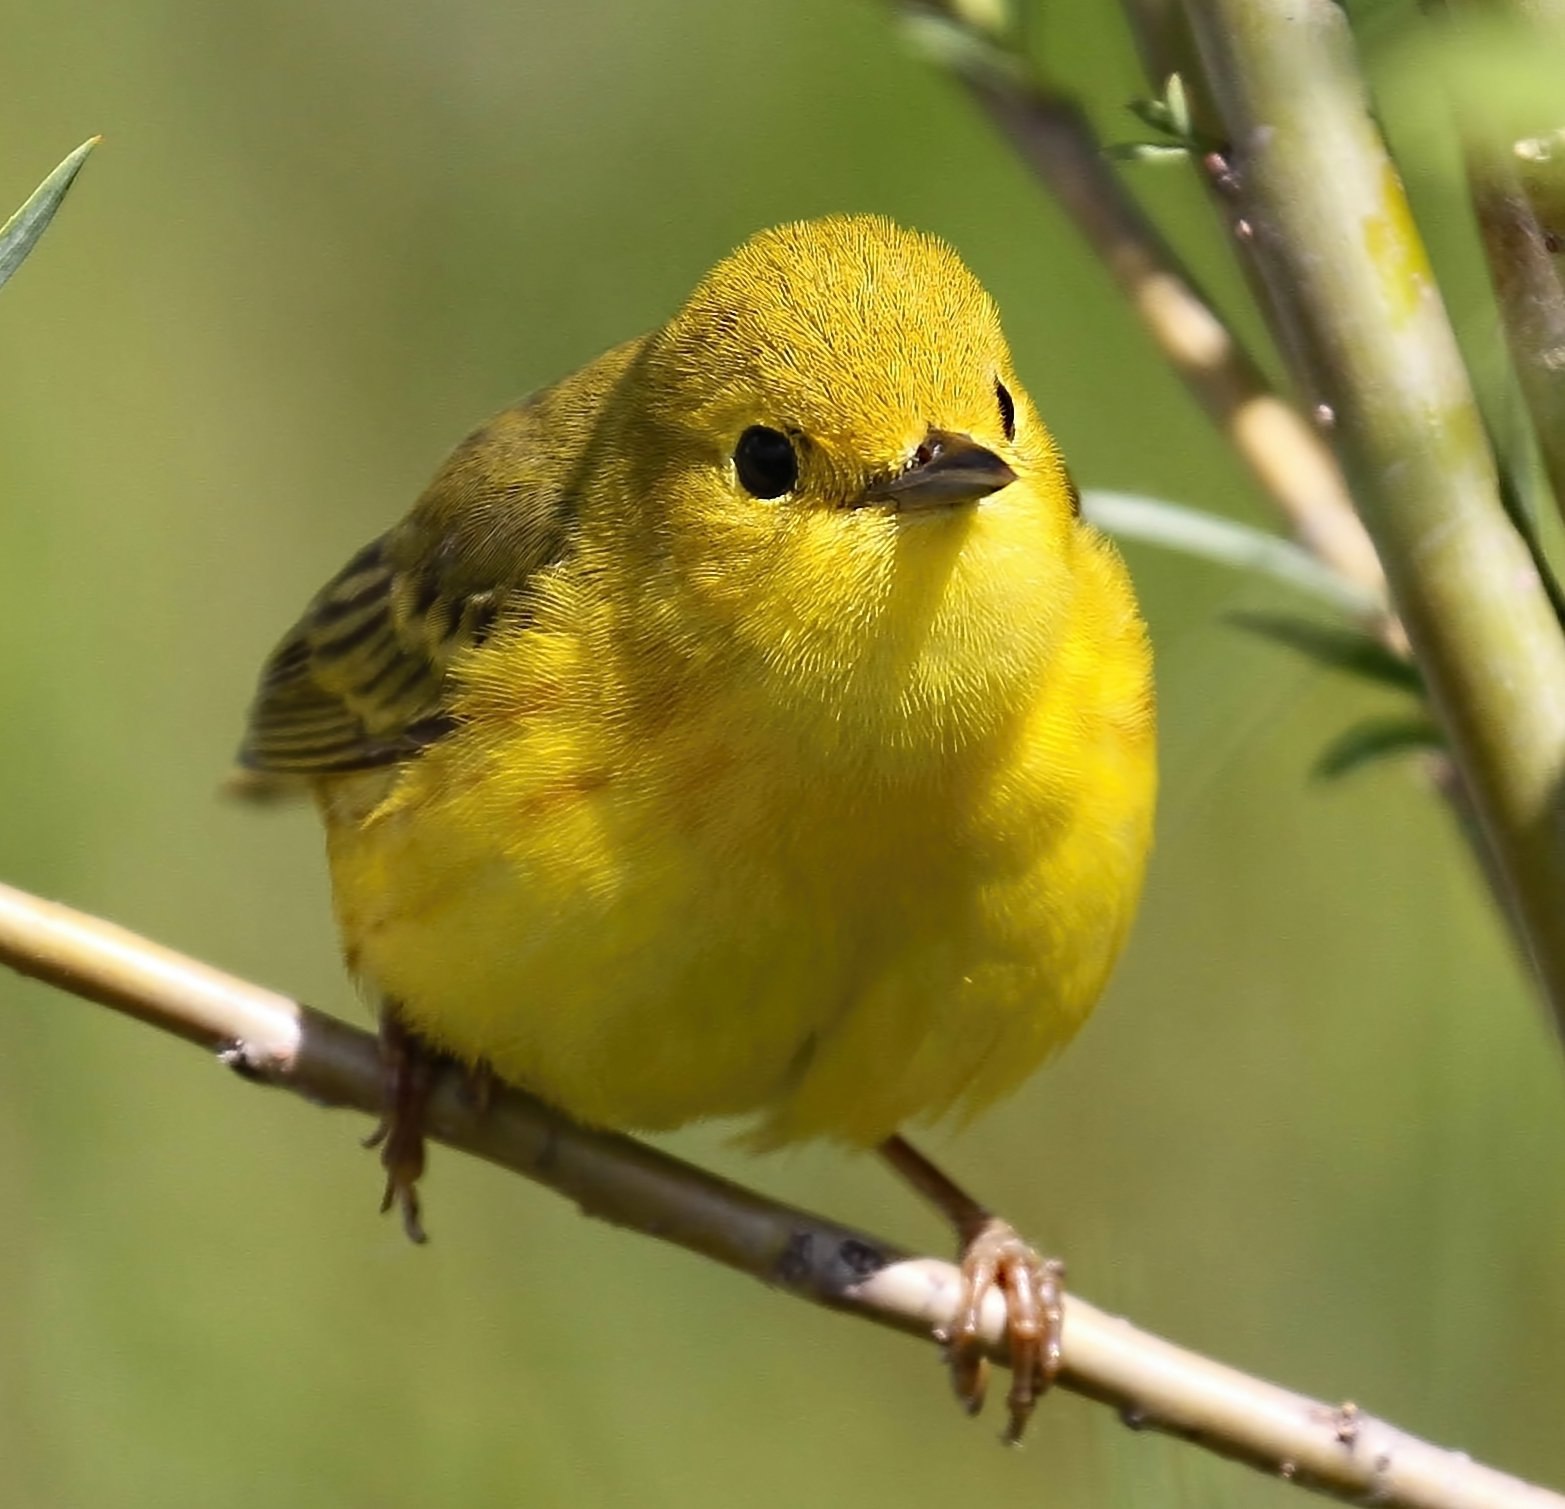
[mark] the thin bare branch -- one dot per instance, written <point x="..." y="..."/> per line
<point x="1335" y="1449"/>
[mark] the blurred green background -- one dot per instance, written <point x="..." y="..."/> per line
<point x="1317" y="1129"/>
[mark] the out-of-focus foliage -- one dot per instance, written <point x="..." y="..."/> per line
<point x="1318" y="1128"/>
<point x="1504" y="70"/>
<point x="1242" y="547"/>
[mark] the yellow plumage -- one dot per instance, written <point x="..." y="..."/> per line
<point x="672" y="801"/>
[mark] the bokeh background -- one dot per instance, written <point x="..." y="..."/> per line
<point x="1317" y="1128"/>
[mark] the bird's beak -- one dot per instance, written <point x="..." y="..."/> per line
<point x="946" y="469"/>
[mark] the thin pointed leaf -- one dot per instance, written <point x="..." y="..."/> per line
<point x="21" y="232"/>
<point x="1154" y="521"/>
<point x="1340" y="649"/>
<point x="1171" y="114"/>
<point x="1145" y="151"/>
<point x="1372" y="740"/>
<point x="945" y="42"/>
<point x="1153" y="113"/>
<point x="1176" y="104"/>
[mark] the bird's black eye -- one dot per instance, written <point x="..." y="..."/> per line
<point x="766" y="462"/>
<point x="1007" y="409"/>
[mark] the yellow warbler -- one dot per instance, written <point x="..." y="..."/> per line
<point x="747" y="724"/>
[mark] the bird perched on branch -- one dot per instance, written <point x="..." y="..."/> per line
<point x="746" y="725"/>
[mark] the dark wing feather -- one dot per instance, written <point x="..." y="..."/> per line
<point x="361" y="680"/>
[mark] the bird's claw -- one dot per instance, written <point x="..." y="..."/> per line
<point x="996" y="1256"/>
<point x="400" y="1132"/>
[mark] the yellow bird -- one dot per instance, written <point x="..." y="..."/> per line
<point x="746" y="725"/>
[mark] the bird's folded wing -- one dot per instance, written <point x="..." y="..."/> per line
<point x="361" y="680"/>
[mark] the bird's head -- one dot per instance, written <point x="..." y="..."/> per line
<point x="840" y="466"/>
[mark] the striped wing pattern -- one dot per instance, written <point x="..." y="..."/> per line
<point x="358" y="682"/>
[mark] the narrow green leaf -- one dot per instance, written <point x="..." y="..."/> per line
<point x="945" y="42"/>
<point x="1341" y="649"/>
<point x="1372" y="740"/>
<point x="1176" y="105"/>
<point x="1145" y="151"/>
<point x="21" y="232"/>
<point x="1154" y="521"/>
<point x="1170" y="115"/>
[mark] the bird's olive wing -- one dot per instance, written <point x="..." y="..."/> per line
<point x="361" y="680"/>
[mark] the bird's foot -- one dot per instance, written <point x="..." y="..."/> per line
<point x="410" y="1071"/>
<point x="995" y="1256"/>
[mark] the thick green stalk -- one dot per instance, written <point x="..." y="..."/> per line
<point x="1319" y="205"/>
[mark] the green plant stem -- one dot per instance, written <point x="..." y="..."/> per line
<point x="1333" y="1449"/>
<point x="1355" y="306"/>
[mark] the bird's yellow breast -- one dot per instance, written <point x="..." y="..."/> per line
<point x="842" y="876"/>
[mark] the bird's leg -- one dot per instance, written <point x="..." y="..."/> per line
<point x="410" y="1070"/>
<point x="992" y="1255"/>
<point x="410" y="1067"/>
<point x="479" y="1081"/>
